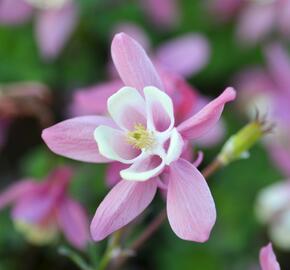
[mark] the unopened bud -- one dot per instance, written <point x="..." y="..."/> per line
<point x="238" y="145"/>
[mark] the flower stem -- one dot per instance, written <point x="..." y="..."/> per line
<point x="159" y="220"/>
<point x="113" y="246"/>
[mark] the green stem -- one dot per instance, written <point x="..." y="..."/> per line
<point x="114" y="244"/>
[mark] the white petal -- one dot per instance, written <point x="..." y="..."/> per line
<point x="113" y="145"/>
<point x="144" y="168"/>
<point x="159" y="108"/>
<point x="127" y="108"/>
<point x="175" y="147"/>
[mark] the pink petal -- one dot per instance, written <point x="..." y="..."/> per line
<point x="190" y="206"/>
<point x="279" y="65"/>
<point x="214" y="135"/>
<point x="163" y="13"/>
<point x="268" y="259"/>
<point x="207" y="117"/>
<point x="124" y="202"/>
<point x="16" y="191"/>
<point x="93" y="100"/>
<point x="113" y="173"/>
<point x="133" y="64"/>
<point x="134" y="31"/>
<point x="281" y="157"/>
<point x="185" y="55"/>
<point x="14" y="11"/>
<point x="73" y="220"/>
<point x="225" y="8"/>
<point x="34" y="207"/>
<point x="74" y="138"/>
<point x="54" y="28"/>
<point x="284" y="17"/>
<point x="183" y="95"/>
<point x="256" y="22"/>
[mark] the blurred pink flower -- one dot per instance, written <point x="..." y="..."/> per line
<point x="256" y="19"/>
<point x="41" y="209"/>
<point x="260" y="18"/>
<point x="142" y="133"/>
<point x="268" y="91"/>
<point x="273" y="209"/>
<point x="224" y="9"/>
<point x="163" y="13"/>
<point x="55" y="21"/>
<point x="268" y="259"/>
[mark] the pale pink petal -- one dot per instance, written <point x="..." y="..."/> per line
<point x="93" y="100"/>
<point x="144" y="168"/>
<point x="279" y="65"/>
<point x="113" y="173"/>
<point x="190" y="206"/>
<point x="284" y="17"/>
<point x="16" y="191"/>
<point x="163" y="13"/>
<point x="14" y="11"/>
<point x="133" y="64"/>
<point x="159" y="107"/>
<point x="225" y="8"/>
<point x="74" y="138"/>
<point x="54" y="27"/>
<point x="256" y="22"/>
<point x="268" y="259"/>
<point x="124" y="202"/>
<point x="185" y="55"/>
<point x="73" y="220"/>
<point x="35" y="207"/>
<point x="127" y="108"/>
<point x="207" y="117"/>
<point x="281" y="157"/>
<point x="134" y="31"/>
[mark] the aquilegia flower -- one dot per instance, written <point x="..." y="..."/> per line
<point x="268" y="259"/>
<point x="42" y="209"/>
<point x="55" y="21"/>
<point x="141" y="132"/>
<point x="273" y="209"/>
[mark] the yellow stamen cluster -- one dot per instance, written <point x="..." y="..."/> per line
<point x="140" y="138"/>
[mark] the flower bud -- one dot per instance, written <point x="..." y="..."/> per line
<point x="238" y="145"/>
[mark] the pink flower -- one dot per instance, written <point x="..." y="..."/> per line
<point x="258" y="19"/>
<point x="163" y="13"/>
<point x="268" y="90"/>
<point x="268" y="259"/>
<point x="40" y="210"/>
<point x="273" y="209"/>
<point x="225" y="9"/>
<point x="142" y="134"/>
<point x="55" y="21"/>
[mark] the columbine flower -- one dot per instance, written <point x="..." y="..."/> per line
<point x="268" y="91"/>
<point x="142" y="133"/>
<point x="268" y="259"/>
<point x="273" y="209"/>
<point x="42" y="209"/>
<point x="55" y="21"/>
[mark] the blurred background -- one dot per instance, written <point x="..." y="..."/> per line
<point x="50" y="51"/>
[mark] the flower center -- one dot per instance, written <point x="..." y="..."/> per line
<point x="47" y="4"/>
<point x="140" y="137"/>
